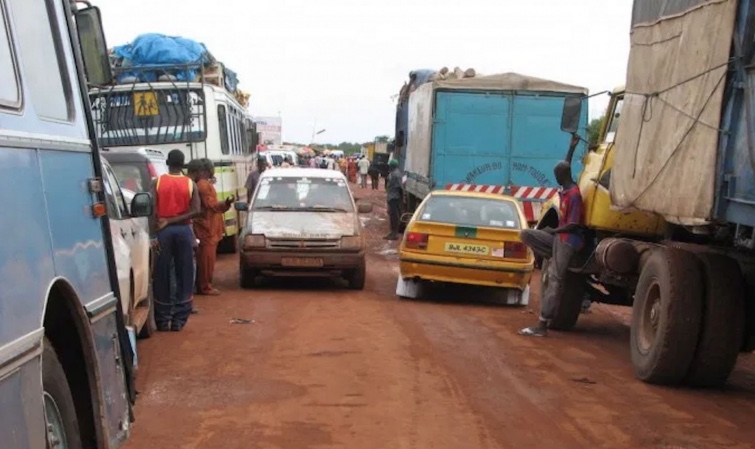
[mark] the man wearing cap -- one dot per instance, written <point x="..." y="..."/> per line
<point x="254" y="178"/>
<point x="176" y="203"/>
<point x="394" y="194"/>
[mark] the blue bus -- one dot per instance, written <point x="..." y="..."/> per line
<point x="65" y="357"/>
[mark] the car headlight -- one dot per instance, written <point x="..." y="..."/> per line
<point x="351" y="242"/>
<point x="254" y="241"/>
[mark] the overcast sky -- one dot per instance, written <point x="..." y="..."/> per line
<point x="340" y="62"/>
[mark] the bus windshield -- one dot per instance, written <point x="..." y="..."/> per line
<point x="140" y="115"/>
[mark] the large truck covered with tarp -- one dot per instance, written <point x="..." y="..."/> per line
<point x="670" y="193"/>
<point x="496" y="133"/>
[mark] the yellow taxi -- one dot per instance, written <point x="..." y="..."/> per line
<point x="466" y="238"/>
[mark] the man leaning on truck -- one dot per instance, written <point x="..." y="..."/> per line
<point x="558" y="245"/>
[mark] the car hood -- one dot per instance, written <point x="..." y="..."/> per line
<point x="302" y="225"/>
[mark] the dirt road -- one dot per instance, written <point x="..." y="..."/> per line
<point x="320" y="366"/>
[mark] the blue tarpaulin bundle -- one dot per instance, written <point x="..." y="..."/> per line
<point x="157" y="49"/>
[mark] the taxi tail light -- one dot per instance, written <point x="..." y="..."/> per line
<point x="514" y="250"/>
<point x="415" y="240"/>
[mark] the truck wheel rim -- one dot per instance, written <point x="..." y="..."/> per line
<point x="56" y="433"/>
<point x="650" y="319"/>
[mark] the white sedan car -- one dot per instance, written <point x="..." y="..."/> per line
<point x="130" y="234"/>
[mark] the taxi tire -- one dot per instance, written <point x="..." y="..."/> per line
<point x="358" y="277"/>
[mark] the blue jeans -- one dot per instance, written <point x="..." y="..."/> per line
<point x="176" y="255"/>
<point x="174" y="282"/>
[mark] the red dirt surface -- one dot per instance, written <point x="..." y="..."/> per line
<point x="321" y="366"/>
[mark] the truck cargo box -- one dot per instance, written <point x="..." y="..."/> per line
<point x="498" y="132"/>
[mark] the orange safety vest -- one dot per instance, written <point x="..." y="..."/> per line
<point x="173" y="194"/>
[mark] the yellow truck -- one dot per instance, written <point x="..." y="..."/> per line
<point x="669" y="195"/>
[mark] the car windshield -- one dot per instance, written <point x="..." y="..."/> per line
<point x="469" y="211"/>
<point x="303" y="193"/>
<point x="129" y="176"/>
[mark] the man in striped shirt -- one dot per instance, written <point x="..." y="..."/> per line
<point x="558" y="245"/>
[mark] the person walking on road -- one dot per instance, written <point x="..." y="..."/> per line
<point x="364" y="168"/>
<point x="558" y="245"/>
<point x="208" y="227"/>
<point x="374" y="173"/>
<point x="176" y="203"/>
<point x="254" y="178"/>
<point x="394" y="194"/>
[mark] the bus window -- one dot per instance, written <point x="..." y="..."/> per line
<point x="223" y="119"/>
<point x="40" y="45"/>
<point x="10" y="94"/>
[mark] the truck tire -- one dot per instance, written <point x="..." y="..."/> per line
<point x="666" y="316"/>
<point x="358" y="277"/>
<point x="60" y="411"/>
<point x="722" y="326"/>
<point x="570" y="306"/>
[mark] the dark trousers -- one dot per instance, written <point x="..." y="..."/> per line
<point x="558" y="253"/>
<point x="394" y="214"/>
<point x="375" y="178"/>
<point x="176" y="250"/>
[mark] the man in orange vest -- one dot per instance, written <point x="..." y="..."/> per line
<point x="176" y="203"/>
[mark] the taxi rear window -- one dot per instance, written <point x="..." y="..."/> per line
<point x="466" y="211"/>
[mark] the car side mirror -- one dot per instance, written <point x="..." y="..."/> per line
<point x="241" y="206"/>
<point x="364" y="208"/>
<point x="141" y="205"/>
<point x="571" y="113"/>
<point x="94" y="50"/>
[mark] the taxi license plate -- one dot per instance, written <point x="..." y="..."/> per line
<point x="309" y="262"/>
<point x="465" y="248"/>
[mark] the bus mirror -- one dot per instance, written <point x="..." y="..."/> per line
<point x="571" y="114"/>
<point x="94" y="50"/>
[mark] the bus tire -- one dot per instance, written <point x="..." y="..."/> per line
<point x="60" y="411"/>
<point x="666" y="316"/>
<point x="722" y="326"/>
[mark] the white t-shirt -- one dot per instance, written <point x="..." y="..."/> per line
<point x="364" y="166"/>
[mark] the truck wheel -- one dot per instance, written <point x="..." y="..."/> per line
<point x="247" y="278"/>
<point x="722" y="326"/>
<point x="666" y="316"/>
<point x="358" y="277"/>
<point x="60" y="412"/>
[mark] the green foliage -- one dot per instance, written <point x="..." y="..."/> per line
<point x="593" y="130"/>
